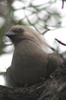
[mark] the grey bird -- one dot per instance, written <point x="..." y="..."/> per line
<point x="31" y="62"/>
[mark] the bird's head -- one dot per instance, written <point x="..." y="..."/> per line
<point x="15" y="33"/>
<point x="19" y="32"/>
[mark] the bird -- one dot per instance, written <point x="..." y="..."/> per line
<point x="31" y="62"/>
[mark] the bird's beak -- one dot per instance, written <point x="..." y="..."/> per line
<point x="10" y="33"/>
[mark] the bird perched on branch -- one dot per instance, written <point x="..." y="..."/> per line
<point x="30" y="62"/>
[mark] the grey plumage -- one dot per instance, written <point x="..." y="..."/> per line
<point x="30" y="62"/>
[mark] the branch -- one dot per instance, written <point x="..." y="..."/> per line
<point x="30" y="93"/>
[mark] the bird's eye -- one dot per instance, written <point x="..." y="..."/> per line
<point x="18" y="30"/>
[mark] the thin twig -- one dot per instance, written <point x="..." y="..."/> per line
<point x="62" y="4"/>
<point x="60" y="42"/>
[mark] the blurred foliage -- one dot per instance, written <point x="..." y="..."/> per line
<point x="43" y="17"/>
